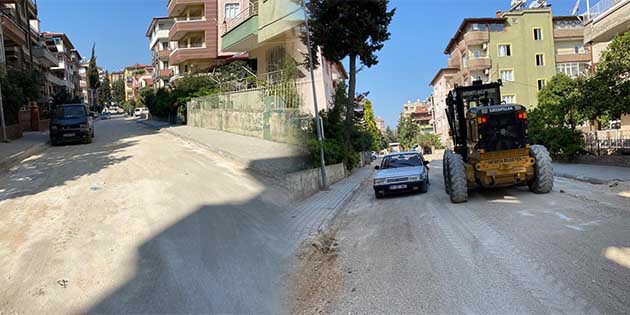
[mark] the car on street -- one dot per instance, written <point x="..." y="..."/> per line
<point x="106" y="115"/>
<point x="70" y="123"/>
<point x="401" y="172"/>
<point x="141" y="112"/>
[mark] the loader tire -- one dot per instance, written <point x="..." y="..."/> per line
<point x="458" y="184"/>
<point x="543" y="180"/>
<point x="447" y="154"/>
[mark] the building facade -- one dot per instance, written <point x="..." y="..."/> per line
<point x="161" y="48"/>
<point x="523" y="48"/>
<point x="380" y="124"/>
<point x="65" y="74"/>
<point x="603" y="21"/>
<point x="20" y="29"/>
<point x="441" y="85"/>
<point x="420" y="112"/>
<point x="136" y="77"/>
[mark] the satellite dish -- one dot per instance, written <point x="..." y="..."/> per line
<point x="517" y="4"/>
<point x="538" y="4"/>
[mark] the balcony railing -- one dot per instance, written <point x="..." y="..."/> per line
<point x="602" y="7"/>
<point x="246" y="13"/>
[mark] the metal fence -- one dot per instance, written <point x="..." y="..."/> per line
<point x="609" y="142"/>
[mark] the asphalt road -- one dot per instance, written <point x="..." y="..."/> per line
<point x="139" y="222"/>
<point x="506" y="251"/>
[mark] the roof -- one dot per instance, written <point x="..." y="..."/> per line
<point x="63" y="36"/>
<point x="462" y="29"/>
<point x="137" y="66"/>
<point x="437" y="75"/>
<point x="154" y="21"/>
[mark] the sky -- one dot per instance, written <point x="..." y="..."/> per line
<point x="420" y="31"/>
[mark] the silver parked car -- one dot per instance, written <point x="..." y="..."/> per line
<point x="401" y="172"/>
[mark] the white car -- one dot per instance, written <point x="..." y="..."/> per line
<point x="141" y="112"/>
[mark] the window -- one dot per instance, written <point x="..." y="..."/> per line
<point x="507" y="75"/>
<point x="478" y="27"/>
<point x="165" y="45"/>
<point x="232" y="10"/>
<point x="573" y="69"/>
<point x="465" y="61"/>
<point x="540" y="60"/>
<point x="541" y="84"/>
<point x="508" y="99"/>
<point x="579" y="48"/>
<point x="496" y="27"/>
<point x="505" y="50"/>
<point x="476" y="54"/>
<point x="538" y="34"/>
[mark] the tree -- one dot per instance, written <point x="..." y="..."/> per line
<point x="370" y="125"/>
<point x="613" y="74"/>
<point x="92" y="74"/>
<point x="118" y="91"/>
<point x="18" y="88"/>
<point x="390" y="136"/>
<point x="553" y="123"/>
<point x="353" y="29"/>
<point x="105" y="95"/>
<point x="407" y="131"/>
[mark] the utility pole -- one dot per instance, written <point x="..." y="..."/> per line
<point x="2" y="64"/>
<point x="318" y="122"/>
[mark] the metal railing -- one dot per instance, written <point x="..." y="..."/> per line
<point x="246" y="13"/>
<point x="610" y="142"/>
<point x="600" y="8"/>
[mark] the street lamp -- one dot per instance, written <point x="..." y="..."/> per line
<point x="318" y="123"/>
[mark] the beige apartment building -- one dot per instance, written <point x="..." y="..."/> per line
<point x="161" y="48"/>
<point x="441" y="85"/>
<point x="421" y="113"/>
<point x="65" y="74"/>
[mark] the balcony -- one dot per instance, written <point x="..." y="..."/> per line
<point x="166" y="73"/>
<point x="11" y="28"/>
<point x="241" y="32"/>
<point x="606" y="19"/>
<point x="568" y="34"/>
<point x="181" y="55"/>
<point x="583" y="57"/>
<point x="164" y="54"/>
<point x="55" y="80"/>
<point x="45" y="56"/>
<point x="175" y="7"/>
<point x="479" y="64"/>
<point x="182" y="27"/>
<point x="475" y="38"/>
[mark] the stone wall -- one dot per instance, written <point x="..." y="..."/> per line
<point x="248" y="113"/>
<point x="13" y="132"/>
<point x="306" y="183"/>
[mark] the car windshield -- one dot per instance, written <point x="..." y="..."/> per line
<point x="70" y="112"/>
<point x="401" y="160"/>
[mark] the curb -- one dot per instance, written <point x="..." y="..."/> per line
<point x="585" y="179"/>
<point x="336" y="212"/>
<point x="11" y="161"/>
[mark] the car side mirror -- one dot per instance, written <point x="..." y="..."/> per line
<point x="377" y="167"/>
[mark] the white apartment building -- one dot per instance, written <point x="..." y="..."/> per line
<point x="161" y="48"/>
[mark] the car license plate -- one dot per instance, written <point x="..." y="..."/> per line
<point x="68" y="135"/>
<point x="397" y="187"/>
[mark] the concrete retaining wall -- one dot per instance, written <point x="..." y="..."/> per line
<point x="306" y="183"/>
<point x="246" y="113"/>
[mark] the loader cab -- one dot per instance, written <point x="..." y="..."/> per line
<point x="497" y="127"/>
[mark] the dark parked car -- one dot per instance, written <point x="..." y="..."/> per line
<point x="71" y="122"/>
<point x="401" y="172"/>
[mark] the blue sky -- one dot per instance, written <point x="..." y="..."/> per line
<point x="420" y="31"/>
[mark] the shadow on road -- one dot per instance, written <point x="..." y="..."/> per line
<point x="60" y="164"/>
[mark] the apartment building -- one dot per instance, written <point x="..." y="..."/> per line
<point x="136" y="77"/>
<point x="380" y="124"/>
<point x="65" y="74"/>
<point x="45" y="57"/>
<point x="194" y="35"/>
<point x="20" y="29"/>
<point x="161" y="48"/>
<point x="441" y="85"/>
<point x="268" y="33"/>
<point x="523" y="48"/>
<point x="421" y="113"/>
<point x="603" y="21"/>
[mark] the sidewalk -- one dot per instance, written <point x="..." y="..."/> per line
<point x="268" y="158"/>
<point x="316" y="213"/>
<point x="596" y="174"/>
<point x="15" y="151"/>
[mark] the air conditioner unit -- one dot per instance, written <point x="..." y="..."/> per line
<point x="484" y="46"/>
